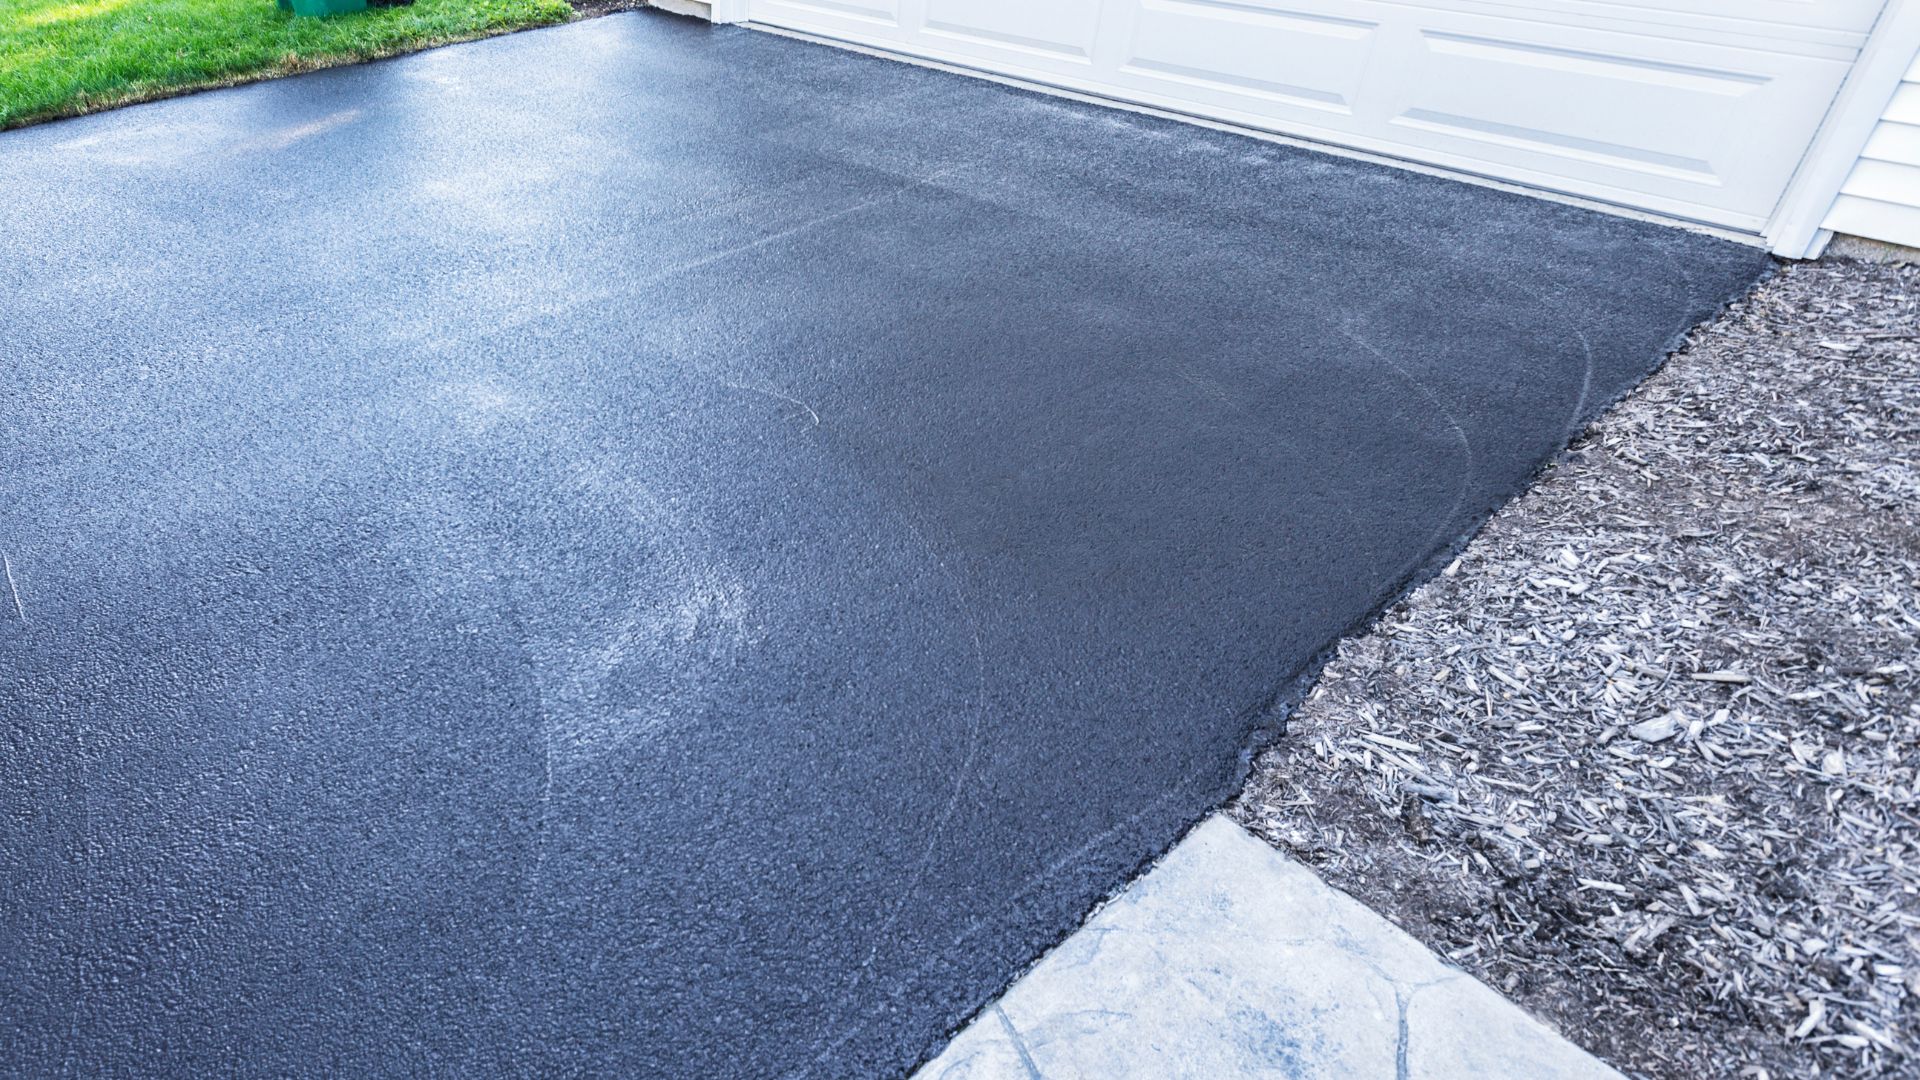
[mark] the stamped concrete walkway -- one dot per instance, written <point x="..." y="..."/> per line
<point x="1229" y="960"/>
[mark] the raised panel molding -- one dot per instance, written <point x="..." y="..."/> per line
<point x="883" y="12"/>
<point x="1061" y="27"/>
<point x="1619" y="111"/>
<point x="1761" y="18"/>
<point x="1560" y="59"/>
<point x="1288" y="57"/>
<point x="1563" y="144"/>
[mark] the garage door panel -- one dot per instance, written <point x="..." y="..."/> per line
<point x="1063" y="28"/>
<point x="1240" y="50"/>
<point x="1688" y="121"/>
<point x="1833" y="35"/>
<point x="847" y="16"/>
<point x="1851" y="15"/>
<point x="1621" y="110"/>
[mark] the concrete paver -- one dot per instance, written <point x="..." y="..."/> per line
<point x="1229" y="960"/>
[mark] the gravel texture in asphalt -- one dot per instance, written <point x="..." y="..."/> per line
<point x="1647" y="757"/>
<point x="659" y="550"/>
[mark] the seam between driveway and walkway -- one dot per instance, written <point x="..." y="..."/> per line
<point x="1229" y="960"/>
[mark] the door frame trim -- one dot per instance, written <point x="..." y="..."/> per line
<point x="1893" y="46"/>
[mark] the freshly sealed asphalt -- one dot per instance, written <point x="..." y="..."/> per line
<point x="637" y="549"/>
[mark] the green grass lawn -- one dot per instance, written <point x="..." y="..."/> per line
<point x="60" y="57"/>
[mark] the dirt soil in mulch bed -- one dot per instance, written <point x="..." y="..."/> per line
<point x="1644" y="757"/>
<point x="587" y="9"/>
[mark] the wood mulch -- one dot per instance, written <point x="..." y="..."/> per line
<point x="1646" y="757"/>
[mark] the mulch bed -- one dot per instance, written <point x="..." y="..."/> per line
<point x="1645" y="756"/>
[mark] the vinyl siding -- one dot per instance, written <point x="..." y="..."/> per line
<point x="1881" y="198"/>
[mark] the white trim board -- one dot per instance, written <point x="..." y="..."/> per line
<point x="1892" y="49"/>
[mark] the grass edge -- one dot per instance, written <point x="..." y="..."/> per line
<point x="86" y="106"/>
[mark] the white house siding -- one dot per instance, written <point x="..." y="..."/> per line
<point x="1881" y="198"/>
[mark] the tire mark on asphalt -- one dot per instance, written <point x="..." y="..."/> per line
<point x="1469" y="465"/>
<point x="966" y="764"/>
<point x="778" y="395"/>
<point x="14" y="588"/>
<point x="1033" y="883"/>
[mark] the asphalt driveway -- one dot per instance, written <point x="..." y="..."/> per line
<point x="646" y="550"/>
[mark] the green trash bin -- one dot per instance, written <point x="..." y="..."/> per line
<point x="322" y="7"/>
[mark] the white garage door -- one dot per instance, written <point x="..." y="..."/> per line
<point x="1695" y="108"/>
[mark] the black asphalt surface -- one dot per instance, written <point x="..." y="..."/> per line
<point x="636" y="549"/>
